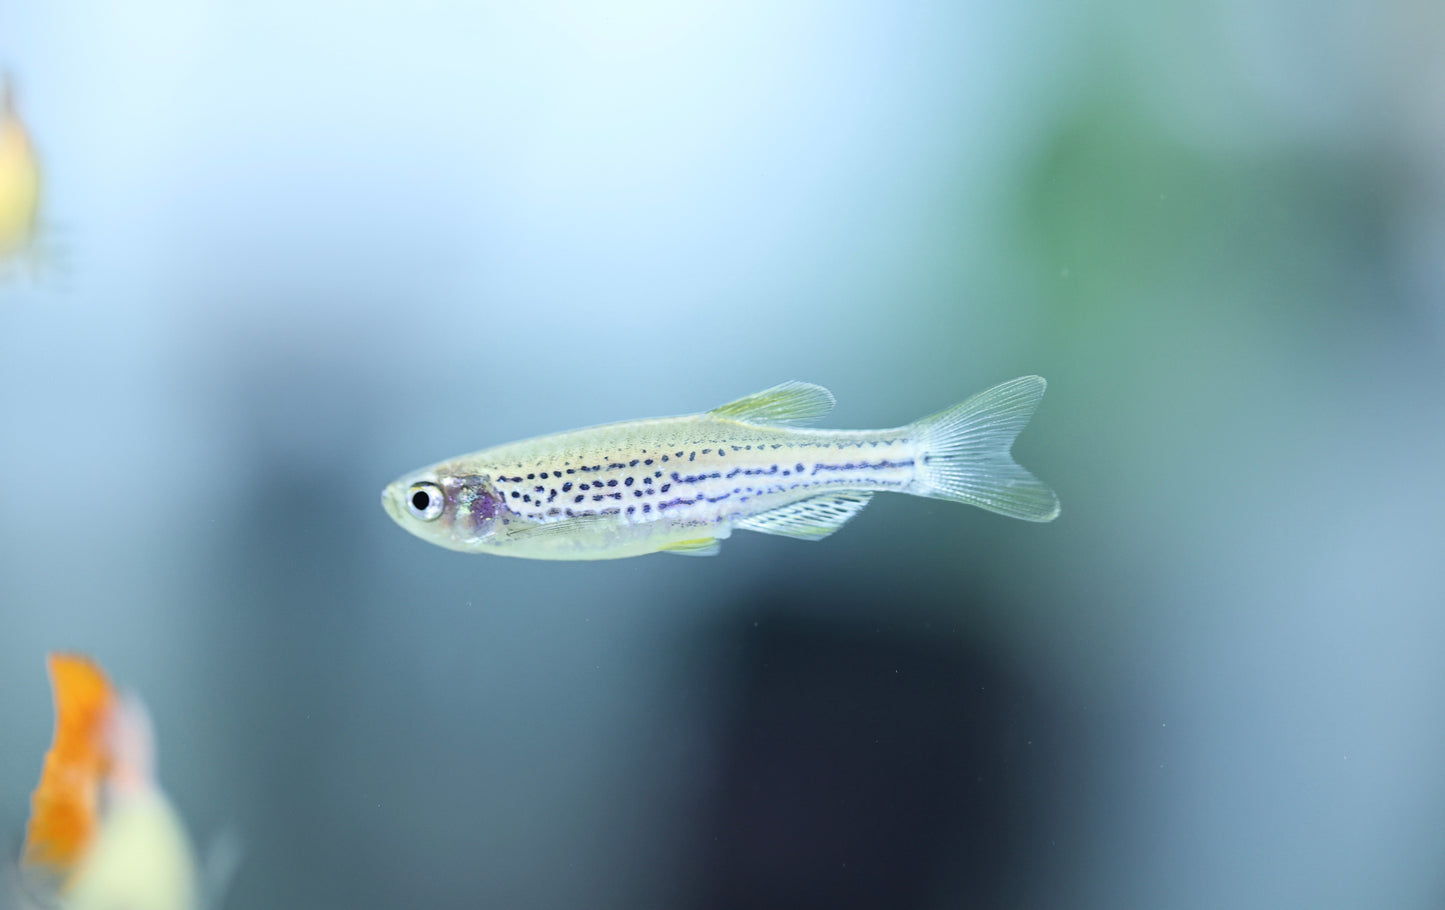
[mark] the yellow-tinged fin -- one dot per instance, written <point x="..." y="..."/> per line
<point x="700" y="546"/>
<point x="967" y="453"/>
<point x="811" y="519"/>
<point x="788" y="402"/>
<point x="63" y="809"/>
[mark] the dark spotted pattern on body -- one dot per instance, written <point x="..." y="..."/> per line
<point x="723" y="482"/>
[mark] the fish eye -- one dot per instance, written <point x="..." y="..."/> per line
<point x="425" y="501"/>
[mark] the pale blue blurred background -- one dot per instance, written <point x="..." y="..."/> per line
<point x="300" y="248"/>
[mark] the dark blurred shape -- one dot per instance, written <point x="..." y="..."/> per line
<point x="283" y="589"/>
<point x="865" y="767"/>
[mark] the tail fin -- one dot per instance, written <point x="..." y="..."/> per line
<point x="63" y="809"/>
<point x="966" y="453"/>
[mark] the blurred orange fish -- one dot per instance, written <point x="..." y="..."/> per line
<point x="63" y="808"/>
<point x="101" y="833"/>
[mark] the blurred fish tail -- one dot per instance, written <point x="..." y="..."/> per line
<point x="218" y="868"/>
<point x="966" y="453"/>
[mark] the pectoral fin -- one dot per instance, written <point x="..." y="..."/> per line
<point x="564" y="527"/>
<point x="788" y="402"/>
<point x="810" y="519"/>
<point x="701" y="546"/>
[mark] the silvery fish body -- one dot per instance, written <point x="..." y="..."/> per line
<point x="682" y="484"/>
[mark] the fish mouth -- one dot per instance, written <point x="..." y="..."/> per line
<point x="390" y="504"/>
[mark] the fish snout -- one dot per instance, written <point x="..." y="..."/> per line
<point x="389" y="502"/>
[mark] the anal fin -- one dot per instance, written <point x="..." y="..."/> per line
<point x="700" y="546"/>
<point x="810" y="519"/>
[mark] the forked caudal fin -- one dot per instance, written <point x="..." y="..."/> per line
<point x="966" y="453"/>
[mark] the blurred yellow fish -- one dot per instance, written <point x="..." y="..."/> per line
<point x="19" y="181"/>
<point x="101" y="833"/>
<point x="682" y="484"/>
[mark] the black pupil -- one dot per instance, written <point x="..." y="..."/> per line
<point x="420" y="500"/>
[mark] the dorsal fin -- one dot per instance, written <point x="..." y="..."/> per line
<point x="788" y="402"/>
<point x="63" y="808"/>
